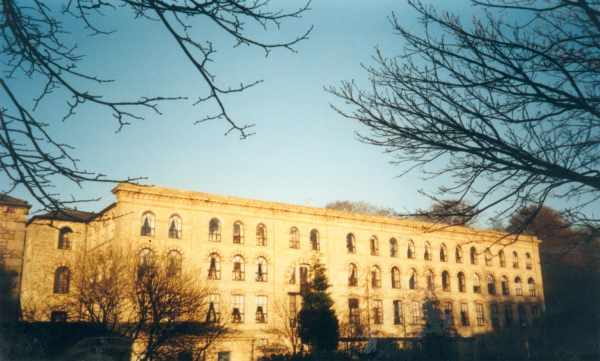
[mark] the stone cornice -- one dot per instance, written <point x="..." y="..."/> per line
<point x="192" y="198"/>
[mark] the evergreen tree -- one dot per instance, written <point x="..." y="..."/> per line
<point x="318" y="325"/>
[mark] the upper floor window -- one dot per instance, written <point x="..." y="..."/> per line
<point x="398" y="312"/>
<point x="502" y="259"/>
<point x="145" y="262"/>
<point x="261" y="235"/>
<point x="443" y="253"/>
<point x="504" y="285"/>
<point x="375" y="277"/>
<point x="214" y="315"/>
<point x="428" y="256"/>
<point x="412" y="280"/>
<point x="261" y="270"/>
<point x="508" y="317"/>
<point x="462" y="286"/>
<point x="377" y="312"/>
<point x="494" y="314"/>
<point x="464" y="314"/>
<point x="527" y="261"/>
<point x="458" y="254"/>
<point x="410" y="252"/>
<point x="238" y="268"/>
<point x="261" y="309"/>
<point x="446" y="281"/>
<point x="522" y="316"/>
<point x="214" y="268"/>
<point x="488" y="257"/>
<point x="429" y="280"/>
<point x="294" y="238"/>
<point x="491" y="285"/>
<point x="173" y="264"/>
<point x="531" y="287"/>
<point x="353" y="311"/>
<point x="476" y="284"/>
<point x="515" y="260"/>
<point x="350" y="243"/>
<point x="62" y="280"/>
<point x="518" y="288"/>
<point x="175" y="226"/>
<point x="415" y="309"/>
<point x="395" y="278"/>
<point x="479" y="309"/>
<point x="237" y="315"/>
<point x="352" y="278"/>
<point x="314" y="240"/>
<point x="147" y="224"/>
<point x="214" y="230"/>
<point x="393" y="247"/>
<point x="448" y="315"/>
<point x="238" y="232"/>
<point x="374" y="246"/>
<point x="473" y="254"/>
<point x="65" y="238"/>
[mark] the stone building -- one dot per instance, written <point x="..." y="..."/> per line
<point x="13" y="215"/>
<point x="382" y="269"/>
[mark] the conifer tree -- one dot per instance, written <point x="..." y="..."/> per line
<point x="318" y="325"/>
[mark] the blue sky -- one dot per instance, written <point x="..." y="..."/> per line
<point x="302" y="151"/>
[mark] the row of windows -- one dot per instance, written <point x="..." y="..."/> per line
<point x="214" y="235"/>
<point x="375" y="274"/>
<point x="415" y="308"/>
<point x="238" y="270"/>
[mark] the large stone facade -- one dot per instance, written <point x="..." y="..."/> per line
<point x="390" y="283"/>
<point x="13" y="215"/>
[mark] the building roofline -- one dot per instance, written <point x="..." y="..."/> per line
<point x="70" y="215"/>
<point x="6" y="200"/>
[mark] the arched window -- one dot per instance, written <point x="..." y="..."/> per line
<point x="238" y="268"/>
<point x="214" y="230"/>
<point x="62" y="280"/>
<point x="145" y="262"/>
<point x="531" y="287"/>
<point x="374" y="246"/>
<point x="65" y="238"/>
<point x="488" y="257"/>
<point x="502" y="259"/>
<point x="410" y="252"/>
<point x="491" y="285"/>
<point x="527" y="261"/>
<point x="238" y="232"/>
<point x="412" y="280"/>
<point x="375" y="277"/>
<point x="352" y="277"/>
<point x="395" y="278"/>
<point x="458" y="254"/>
<point x="505" y="286"/>
<point x="428" y="256"/>
<point x="515" y="260"/>
<point x="473" y="255"/>
<point x="393" y="247"/>
<point x="476" y="284"/>
<point x="446" y="281"/>
<point x="350" y="243"/>
<point x="173" y="264"/>
<point x="443" y="253"/>
<point x="314" y="240"/>
<point x="429" y="280"/>
<point x="214" y="268"/>
<point x="175" y="226"/>
<point x="518" y="288"/>
<point x="294" y="238"/>
<point x="147" y="224"/>
<point x="261" y="270"/>
<point x="462" y="286"/>
<point x="261" y="235"/>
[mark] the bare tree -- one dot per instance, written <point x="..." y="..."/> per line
<point x="359" y="207"/>
<point x="506" y="107"/>
<point x="285" y="326"/>
<point x="36" y="49"/>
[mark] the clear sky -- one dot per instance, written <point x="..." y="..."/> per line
<point x="302" y="151"/>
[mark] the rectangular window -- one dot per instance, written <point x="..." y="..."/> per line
<point x="494" y="314"/>
<point x="378" y="312"/>
<point x="58" y="316"/>
<point x="464" y="314"/>
<point x="303" y="278"/>
<point x="214" y="314"/>
<point x="397" y="312"/>
<point x="261" y="309"/>
<point x="508" y="317"/>
<point x="293" y="300"/>
<point x="224" y="356"/>
<point x="238" y="271"/>
<point x="522" y="315"/>
<point x="415" y="313"/>
<point x="354" y="312"/>
<point x="479" y="309"/>
<point x="535" y="314"/>
<point x="448" y="313"/>
<point x="238" y="309"/>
